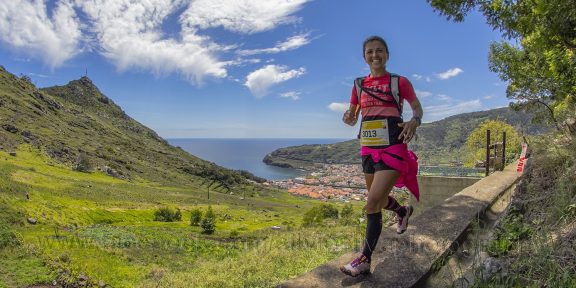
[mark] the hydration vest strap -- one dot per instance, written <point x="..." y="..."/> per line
<point x="394" y="89"/>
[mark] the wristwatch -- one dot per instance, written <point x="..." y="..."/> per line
<point x="418" y="119"/>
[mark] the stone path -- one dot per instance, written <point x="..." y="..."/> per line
<point x="406" y="260"/>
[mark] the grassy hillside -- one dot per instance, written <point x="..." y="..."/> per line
<point x="76" y="123"/>
<point x="80" y="183"/>
<point x="101" y="227"/>
<point x="438" y="142"/>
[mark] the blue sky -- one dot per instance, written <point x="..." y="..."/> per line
<point x="248" y="68"/>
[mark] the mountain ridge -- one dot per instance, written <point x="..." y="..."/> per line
<point x="438" y="142"/>
<point x="76" y="120"/>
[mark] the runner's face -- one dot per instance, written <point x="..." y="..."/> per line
<point x="375" y="55"/>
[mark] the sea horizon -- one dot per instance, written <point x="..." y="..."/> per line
<point x="247" y="153"/>
<point x="258" y="138"/>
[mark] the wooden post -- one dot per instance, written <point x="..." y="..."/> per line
<point x="503" y="150"/>
<point x="487" y="152"/>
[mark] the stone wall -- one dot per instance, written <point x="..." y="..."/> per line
<point x="435" y="189"/>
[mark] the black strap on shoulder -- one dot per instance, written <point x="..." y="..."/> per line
<point x="358" y="83"/>
<point x="394" y="89"/>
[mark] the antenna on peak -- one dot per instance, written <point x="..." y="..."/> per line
<point x="86" y="73"/>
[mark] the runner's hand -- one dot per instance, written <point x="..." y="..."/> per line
<point x="408" y="130"/>
<point x="349" y="118"/>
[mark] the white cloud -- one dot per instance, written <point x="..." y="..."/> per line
<point x="130" y="33"/>
<point x="339" y="107"/>
<point x="438" y="112"/>
<point x="243" y="16"/>
<point x="450" y="73"/>
<point x="292" y="95"/>
<point x="488" y="97"/>
<point x="423" y="94"/>
<point x="422" y="77"/>
<point x="291" y="43"/>
<point x="261" y="80"/>
<point x="444" y="97"/>
<point x="26" y="26"/>
<point x="41" y="75"/>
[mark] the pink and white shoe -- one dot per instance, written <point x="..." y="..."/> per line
<point x="403" y="221"/>
<point x="358" y="266"/>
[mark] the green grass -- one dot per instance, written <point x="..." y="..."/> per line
<point x="511" y="230"/>
<point x="537" y="239"/>
<point x="102" y="227"/>
<point x="266" y="263"/>
<point x="21" y="267"/>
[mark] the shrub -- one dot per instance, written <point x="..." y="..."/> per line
<point x="312" y="217"/>
<point x="251" y="176"/>
<point x="329" y="211"/>
<point x="178" y="215"/>
<point x="347" y="215"/>
<point x="195" y="217"/>
<point x="9" y="214"/>
<point x="83" y="164"/>
<point x="166" y="214"/>
<point x="26" y="78"/>
<point x="317" y="214"/>
<point x="7" y="237"/>
<point x="209" y="222"/>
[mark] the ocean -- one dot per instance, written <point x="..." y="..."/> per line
<point x="245" y="154"/>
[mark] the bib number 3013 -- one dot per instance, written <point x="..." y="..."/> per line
<point x="375" y="133"/>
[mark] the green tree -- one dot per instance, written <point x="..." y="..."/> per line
<point x="166" y="214"/>
<point x="317" y="214"/>
<point x="540" y="65"/>
<point x="195" y="217"/>
<point x="476" y="141"/>
<point x="209" y="222"/>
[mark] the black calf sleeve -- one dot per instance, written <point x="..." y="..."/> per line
<point x="393" y="205"/>
<point x="373" y="230"/>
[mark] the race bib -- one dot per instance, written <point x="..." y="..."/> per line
<point x="375" y="133"/>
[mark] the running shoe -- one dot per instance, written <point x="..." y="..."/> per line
<point x="360" y="265"/>
<point x="403" y="222"/>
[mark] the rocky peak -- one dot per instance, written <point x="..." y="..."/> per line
<point x="82" y="92"/>
<point x="84" y="84"/>
<point x="85" y="81"/>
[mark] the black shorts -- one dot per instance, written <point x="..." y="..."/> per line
<point x="369" y="167"/>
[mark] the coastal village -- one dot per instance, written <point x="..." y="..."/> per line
<point x="346" y="181"/>
<point x="343" y="182"/>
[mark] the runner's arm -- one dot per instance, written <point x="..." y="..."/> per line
<point x="417" y="109"/>
<point x="409" y="128"/>
<point x="355" y="110"/>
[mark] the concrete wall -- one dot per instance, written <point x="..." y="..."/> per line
<point x="429" y="238"/>
<point x="435" y="189"/>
